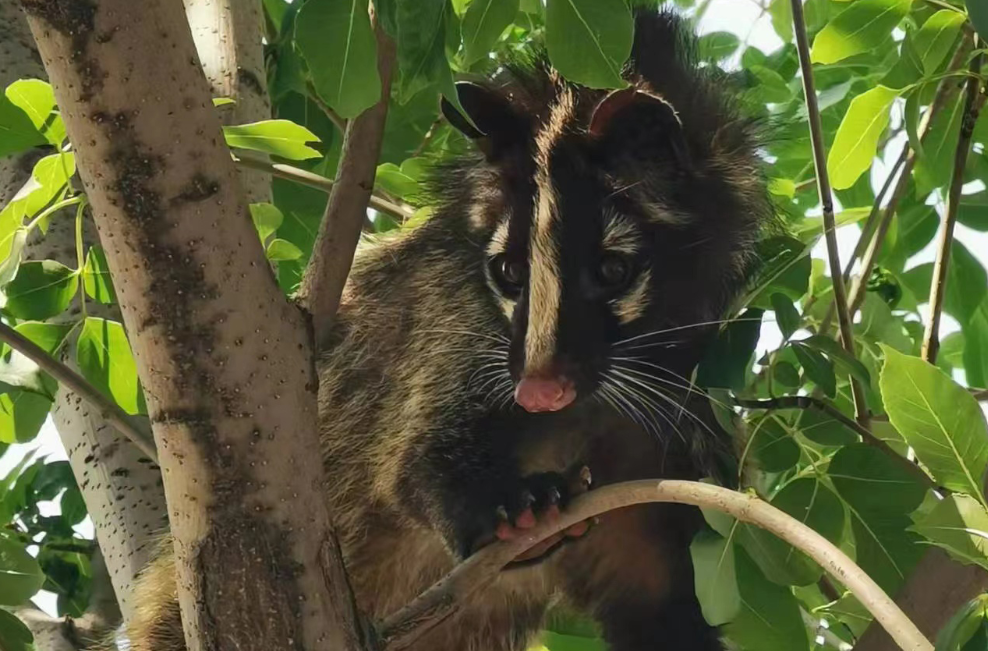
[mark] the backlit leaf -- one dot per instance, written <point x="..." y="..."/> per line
<point x="22" y="414"/>
<point x="934" y="38"/>
<point x="939" y="419"/>
<point x="769" y="619"/>
<point x="864" y="25"/>
<point x="483" y="23"/>
<point x="958" y="524"/>
<point x="933" y="167"/>
<point x="857" y="137"/>
<point x="267" y="219"/>
<point x="104" y="357"/>
<point x="589" y="40"/>
<point x="37" y="99"/>
<point x="96" y="277"/>
<point x="276" y="137"/>
<point x="336" y="39"/>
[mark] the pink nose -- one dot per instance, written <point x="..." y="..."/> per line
<point x="544" y="394"/>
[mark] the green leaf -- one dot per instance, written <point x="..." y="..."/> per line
<point x="22" y="415"/>
<point x="786" y="315"/>
<point x="41" y="290"/>
<point x="812" y="503"/>
<point x="37" y="99"/>
<point x="769" y="619"/>
<point x="20" y="575"/>
<point x="72" y="505"/>
<point x="857" y="137"/>
<point x="391" y="179"/>
<point x="714" y="578"/>
<point x="96" y="277"/>
<point x="838" y="356"/>
<point x="773" y="446"/>
<point x="939" y="419"/>
<point x="963" y="625"/>
<point x="47" y="336"/>
<point x="17" y="132"/>
<point x="958" y="524"/>
<point x="863" y="26"/>
<point x="14" y="635"/>
<point x="716" y="46"/>
<point x="934" y="165"/>
<point x="781" y="13"/>
<point x="935" y="38"/>
<point x="978" y="641"/>
<point x="784" y="268"/>
<point x="729" y="357"/>
<point x="972" y="211"/>
<point x="276" y="137"/>
<point x="977" y="10"/>
<point x="104" y="357"/>
<point x="817" y="367"/>
<point x="483" y="24"/>
<point x="281" y="250"/>
<point x="879" y="495"/>
<point x="823" y="429"/>
<point x="421" y="47"/>
<point x="786" y="374"/>
<point x="588" y="41"/>
<point x="267" y="219"/>
<point x="336" y="39"/>
<point x="772" y="88"/>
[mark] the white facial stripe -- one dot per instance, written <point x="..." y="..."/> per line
<point x="544" y="283"/>
<point x="498" y="244"/>
<point x="633" y="303"/>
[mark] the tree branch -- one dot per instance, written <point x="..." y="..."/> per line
<point x="313" y="180"/>
<point x="346" y="210"/>
<point x="944" y="91"/>
<point x="109" y="410"/>
<point x="827" y="201"/>
<point x="808" y="402"/>
<point x="972" y="106"/>
<point x="445" y="597"/>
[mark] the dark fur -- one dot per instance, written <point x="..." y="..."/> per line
<point x="422" y="450"/>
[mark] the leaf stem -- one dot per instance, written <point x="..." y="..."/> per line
<point x="973" y="102"/>
<point x="109" y="410"/>
<point x="809" y="402"/>
<point x="312" y="180"/>
<point x="877" y="238"/>
<point x="826" y="199"/>
<point x="449" y="594"/>
<point x="55" y="207"/>
<point x="80" y="254"/>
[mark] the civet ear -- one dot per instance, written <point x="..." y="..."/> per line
<point x="496" y="125"/>
<point x="648" y="120"/>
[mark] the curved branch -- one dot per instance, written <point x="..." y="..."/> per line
<point x="827" y="201"/>
<point x="109" y="411"/>
<point x="442" y="599"/>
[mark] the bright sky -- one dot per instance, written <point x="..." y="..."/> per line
<point x="741" y="17"/>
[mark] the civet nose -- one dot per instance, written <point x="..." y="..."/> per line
<point x="537" y="394"/>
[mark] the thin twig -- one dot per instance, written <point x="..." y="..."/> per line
<point x="339" y="232"/>
<point x="826" y="199"/>
<point x="334" y="117"/>
<point x="429" y="135"/>
<point x="972" y="106"/>
<point x="979" y="394"/>
<point x="109" y="411"/>
<point x="448" y="595"/>
<point x="809" y="402"/>
<point x="312" y="180"/>
<point x="860" y="284"/>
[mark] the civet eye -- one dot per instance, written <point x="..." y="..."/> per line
<point x="510" y="275"/>
<point x="614" y="271"/>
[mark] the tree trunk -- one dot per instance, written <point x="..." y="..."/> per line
<point x="227" y="34"/>
<point x="226" y="362"/>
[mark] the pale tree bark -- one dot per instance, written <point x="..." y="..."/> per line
<point x="227" y="34"/>
<point x="120" y="485"/>
<point x="226" y="361"/>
